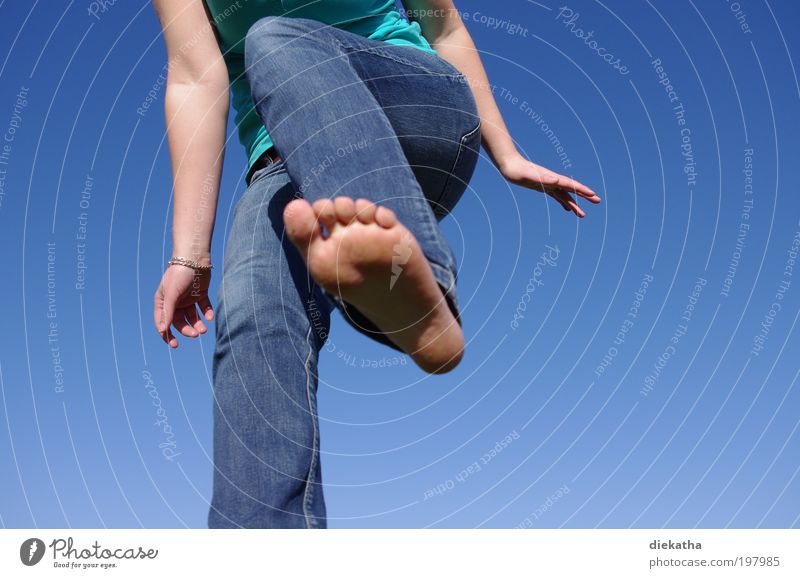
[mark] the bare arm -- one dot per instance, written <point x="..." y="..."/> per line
<point x="196" y="111"/>
<point x="442" y="26"/>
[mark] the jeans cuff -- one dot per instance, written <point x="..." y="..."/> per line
<point x="447" y="282"/>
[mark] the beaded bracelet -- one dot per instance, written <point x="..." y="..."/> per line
<point x="188" y="263"/>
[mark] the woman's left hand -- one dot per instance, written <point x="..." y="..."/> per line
<point x="521" y="171"/>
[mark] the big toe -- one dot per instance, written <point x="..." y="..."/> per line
<point x="301" y="223"/>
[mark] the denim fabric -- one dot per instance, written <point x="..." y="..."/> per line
<point x="349" y="116"/>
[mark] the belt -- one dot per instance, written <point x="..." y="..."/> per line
<point x="267" y="158"/>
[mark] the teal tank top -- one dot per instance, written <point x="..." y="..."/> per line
<point x="376" y="19"/>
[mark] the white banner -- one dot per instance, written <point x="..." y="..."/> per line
<point x="401" y="553"/>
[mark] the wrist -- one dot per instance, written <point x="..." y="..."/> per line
<point x="197" y="266"/>
<point x="503" y="152"/>
<point x="201" y="257"/>
<point x="505" y="161"/>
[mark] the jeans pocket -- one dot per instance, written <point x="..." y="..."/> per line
<point x="455" y="73"/>
<point x="265" y="170"/>
<point x="461" y="173"/>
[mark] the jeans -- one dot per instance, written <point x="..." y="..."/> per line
<point x="349" y="116"/>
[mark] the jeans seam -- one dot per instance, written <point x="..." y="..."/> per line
<point x="455" y="162"/>
<point x="310" y="523"/>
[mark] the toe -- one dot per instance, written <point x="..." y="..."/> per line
<point x="365" y="211"/>
<point x="385" y="217"/>
<point x="345" y="209"/>
<point x="325" y="211"/>
<point x="301" y="223"/>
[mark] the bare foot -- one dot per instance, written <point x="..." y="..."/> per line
<point x="375" y="264"/>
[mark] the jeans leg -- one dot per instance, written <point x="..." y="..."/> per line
<point x="440" y="135"/>
<point x="271" y="321"/>
<point x="310" y="85"/>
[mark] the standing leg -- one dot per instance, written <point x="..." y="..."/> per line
<point x="271" y="321"/>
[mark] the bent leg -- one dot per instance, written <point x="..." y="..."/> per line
<point x="327" y="125"/>
<point x="271" y="321"/>
<point x="308" y="84"/>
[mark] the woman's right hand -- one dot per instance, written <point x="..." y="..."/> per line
<point x="181" y="291"/>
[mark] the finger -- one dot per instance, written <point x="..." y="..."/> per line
<point x="206" y="308"/>
<point x="169" y="338"/>
<point x="562" y="198"/>
<point x="559" y="196"/>
<point x="573" y="186"/>
<point x="158" y="305"/>
<point x="163" y="311"/>
<point x="567" y="202"/>
<point x="576" y="209"/>
<point x="182" y="325"/>
<point x="193" y="317"/>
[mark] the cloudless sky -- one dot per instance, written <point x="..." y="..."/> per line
<point x="637" y="368"/>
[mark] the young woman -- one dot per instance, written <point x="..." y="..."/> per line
<point x="362" y="129"/>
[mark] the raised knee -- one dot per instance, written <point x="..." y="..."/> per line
<point x="259" y="37"/>
<point x="276" y="47"/>
<point x="272" y="33"/>
<point x="262" y="28"/>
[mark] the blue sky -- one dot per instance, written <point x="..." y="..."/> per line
<point x="636" y="368"/>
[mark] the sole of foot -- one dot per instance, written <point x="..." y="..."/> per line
<point x="361" y="252"/>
